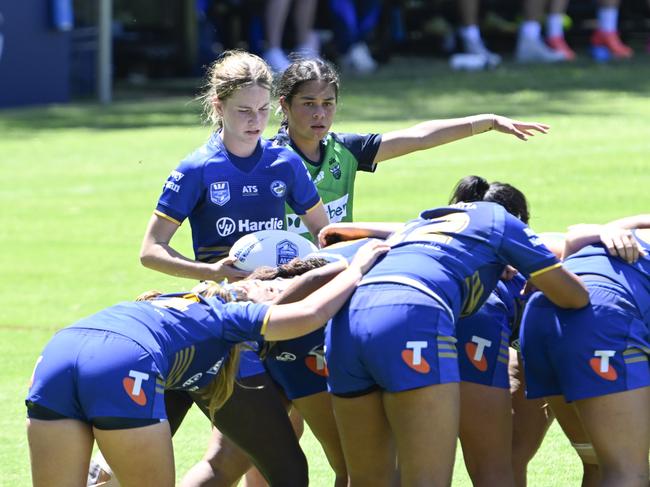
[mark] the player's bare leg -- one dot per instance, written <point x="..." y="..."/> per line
<point x="366" y="439"/>
<point x="317" y="411"/>
<point x="59" y="451"/>
<point x="568" y="418"/>
<point x="619" y="428"/>
<point x="486" y="434"/>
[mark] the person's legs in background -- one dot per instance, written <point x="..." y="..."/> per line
<point x="531" y="47"/>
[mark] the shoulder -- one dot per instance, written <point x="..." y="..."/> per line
<point x="202" y="155"/>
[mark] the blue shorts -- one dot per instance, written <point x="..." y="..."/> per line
<point x="249" y="362"/>
<point x="597" y="350"/>
<point x="483" y="344"/>
<point x="84" y="374"/>
<point x="390" y="336"/>
<point x="298" y="365"/>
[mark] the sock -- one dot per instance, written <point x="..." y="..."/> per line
<point x="470" y="34"/>
<point x="531" y="30"/>
<point x="554" y="25"/>
<point x="608" y="19"/>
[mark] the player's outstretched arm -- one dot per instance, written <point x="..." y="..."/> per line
<point x="286" y="321"/>
<point x="157" y="254"/>
<point x="433" y="133"/>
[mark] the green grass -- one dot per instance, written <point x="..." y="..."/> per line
<point x="80" y="182"/>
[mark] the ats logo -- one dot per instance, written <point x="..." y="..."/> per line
<point x="412" y="357"/>
<point x="600" y="364"/>
<point x="315" y="361"/>
<point x="475" y="350"/>
<point x="133" y="387"/>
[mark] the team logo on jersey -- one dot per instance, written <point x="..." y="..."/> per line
<point x="285" y="251"/>
<point x="133" y="386"/>
<point x="220" y="193"/>
<point x="600" y="364"/>
<point x="412" y="356"/>
<point x="475" y="350"/>
<point x="285" y="357"/>
<point x="226" y="226"/>
<point x="315" y="361"/>
<point x="192" y="379"/>
<point x="335" y="169"/>
<point x="278" y="188"/>
<point x="214" y="370"/>
<point x="250" y="190"/>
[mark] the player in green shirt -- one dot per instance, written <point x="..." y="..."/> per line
<point x="308" y="95"/>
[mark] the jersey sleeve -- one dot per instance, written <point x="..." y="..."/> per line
<point x="303" y="194"/>
<point x="181" y="192"/>
<point x="243" y="321"/>
<point x="522" y="248"/>
<point x="363" y="147"/>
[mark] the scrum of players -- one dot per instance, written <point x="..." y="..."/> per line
<point x="393" y="341"/>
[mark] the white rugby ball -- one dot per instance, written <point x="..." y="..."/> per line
<point x="269" y="248"/>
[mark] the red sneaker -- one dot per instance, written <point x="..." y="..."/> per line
<point x="613" y="42"/>
<point x="558" y="44"/>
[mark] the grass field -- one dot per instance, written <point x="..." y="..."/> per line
<point x="80" y="182"/>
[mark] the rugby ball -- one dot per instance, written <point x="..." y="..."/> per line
<point x="269" y="248"/>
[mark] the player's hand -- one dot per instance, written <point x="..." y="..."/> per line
<point x="225" y="269"/>
<point x="334" y="232"/>
<point x="621" y="243"/>
<point x="521" y="130"/>
<point x="509" y="273"/>
<point x="367" y="255"/>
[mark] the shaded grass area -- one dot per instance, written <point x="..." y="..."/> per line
<point x="80" y="182"/>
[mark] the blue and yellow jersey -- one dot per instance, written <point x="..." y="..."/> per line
<point x="459" y="252"/>
<point x="188" y="337"/>
<point x="634" y="279"/>
<point x="226" y="197"/>
<point x="342" y="155"/>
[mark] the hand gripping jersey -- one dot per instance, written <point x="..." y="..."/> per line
<point x="633" y="278"/>
<point x="189" y="337"/>
<point x="342" y="155"/>
<point x="226" y="197"/>
<point x="459" y="251"/>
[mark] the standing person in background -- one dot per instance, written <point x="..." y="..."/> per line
<point x="353" y="23"/>
<point x="531" y="47"/>
<point x="236" y="184"/>
<point x="276" y="14"/>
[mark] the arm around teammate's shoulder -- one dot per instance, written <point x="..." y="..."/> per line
<point x="562" y="287"/>
<point x="286" y="321"/>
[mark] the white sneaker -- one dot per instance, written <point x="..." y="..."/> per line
<point x="359" y="60"/>
<point x="277" y="59"/>
<point x="477" y="47"/>
<point x="536" y="51"/>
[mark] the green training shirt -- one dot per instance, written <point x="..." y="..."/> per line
<point x="342" y="155"/>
